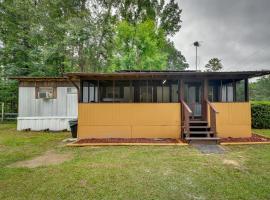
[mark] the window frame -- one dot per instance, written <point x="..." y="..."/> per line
<point x="54" y="92"/>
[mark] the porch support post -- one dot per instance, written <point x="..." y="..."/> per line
<point x="234" y="90"/>
<point x="181" y="89"/>
<point x="205" y="97"/>
<point x="80" y="92"/>
<point x="181" y="97"/>
<point x="246" y="90"/>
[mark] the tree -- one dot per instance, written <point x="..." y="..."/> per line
<point x="213" y="64"/>
<point x="167" y="16"/>
<point x="49" y="38"/>
<point x="175" y="61"/>
<point x="138" y="46"/>
<point x="260" y="90"/>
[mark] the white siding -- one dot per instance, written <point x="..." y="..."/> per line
<point x="41" y="114"/>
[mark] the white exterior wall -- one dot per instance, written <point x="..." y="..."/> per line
<point x="41" y="114"/>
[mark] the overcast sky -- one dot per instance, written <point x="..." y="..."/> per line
<point x="235" y="31"/>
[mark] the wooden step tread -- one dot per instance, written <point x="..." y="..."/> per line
<point x="199" y="126"/>
<point x="193" y="122"/>
<point x="202" y="138"/>
<point x="201" y="132"/>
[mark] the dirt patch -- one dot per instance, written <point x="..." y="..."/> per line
<point x="48" y="158"/>
<point x="231" y="162"/>
<point x="83" y="183"/>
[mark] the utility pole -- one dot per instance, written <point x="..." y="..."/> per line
<point x="196" y="44"/>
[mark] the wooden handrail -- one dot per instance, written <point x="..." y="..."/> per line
<point x="213" y="118"/>
<point x="187" y="112"/>
<point x="211" y="106"/>
<point x="186" y="106"/>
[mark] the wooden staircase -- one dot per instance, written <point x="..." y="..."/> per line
<point x="200" y="132"/>
<point x="197" y="130"/>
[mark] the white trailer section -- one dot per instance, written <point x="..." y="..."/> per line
<point x="37" y="113"/>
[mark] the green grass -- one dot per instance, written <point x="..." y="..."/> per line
<point x="265" y="132"/>
<point x="133" y="172"/>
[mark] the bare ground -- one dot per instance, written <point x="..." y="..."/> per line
<point x="231" y="162"/>
<point x="48" y="158"/>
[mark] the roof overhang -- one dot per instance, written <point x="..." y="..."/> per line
<point x="133" y="75"/>
<point x="36" y="79"/>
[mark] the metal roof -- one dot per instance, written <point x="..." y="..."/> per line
<point x="135" y="74"/>
<point x="28" y="78"/>
<point x="156" y="74"/>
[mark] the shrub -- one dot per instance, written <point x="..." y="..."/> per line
<point x="260" y="111"/>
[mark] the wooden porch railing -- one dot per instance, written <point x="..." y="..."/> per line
<point x="213" y="112"/>
<point x="187" y="113"/>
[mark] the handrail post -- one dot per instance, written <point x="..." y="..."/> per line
<point x="187" y="113"/>
<point x="213" y="112"/>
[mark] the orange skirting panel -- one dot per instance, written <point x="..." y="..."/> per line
<point x="233" y="119"/>
<point x="156" y="132"/>
<point x="104" y="132"/>
<point x="129" y="120"/>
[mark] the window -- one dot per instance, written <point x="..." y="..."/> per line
<point x="46" y="93"/>
<point x="71" y="90"/>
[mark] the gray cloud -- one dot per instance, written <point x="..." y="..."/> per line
<point x="236" y="31"/>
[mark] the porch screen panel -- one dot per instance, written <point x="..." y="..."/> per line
<point x="93" y="91"/>
<point x="174" y="91"/>
<point x="226" y="90"/>
<point x="106" y="91"/>
<point x="123" y="91"/>
<point x="90" y="91"/>
<point x="159" y="91"/>
<point x="85" y="92"/>
<point x="240" y="90"/>
<point x="167" y="91"/>
<point x="214" y="90"/>
<point x="146" y="91"/>
<point x="143" y="91"/>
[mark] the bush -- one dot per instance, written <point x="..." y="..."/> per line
<point x="260" y="111"/>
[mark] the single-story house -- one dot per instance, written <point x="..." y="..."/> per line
<point x="163" y="104"/>
<point x="46" y="103"/>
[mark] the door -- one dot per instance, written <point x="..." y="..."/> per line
<point x="193" y="97"/>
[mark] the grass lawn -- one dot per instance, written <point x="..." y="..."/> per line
<point x="265" y="132"/>
<point x="130" y="172"/>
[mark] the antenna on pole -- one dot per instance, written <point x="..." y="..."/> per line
<point x="196" y="44"/>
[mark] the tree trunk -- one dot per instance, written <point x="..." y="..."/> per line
<point x="81" y="58"/>
<point x="80" y="50"/>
